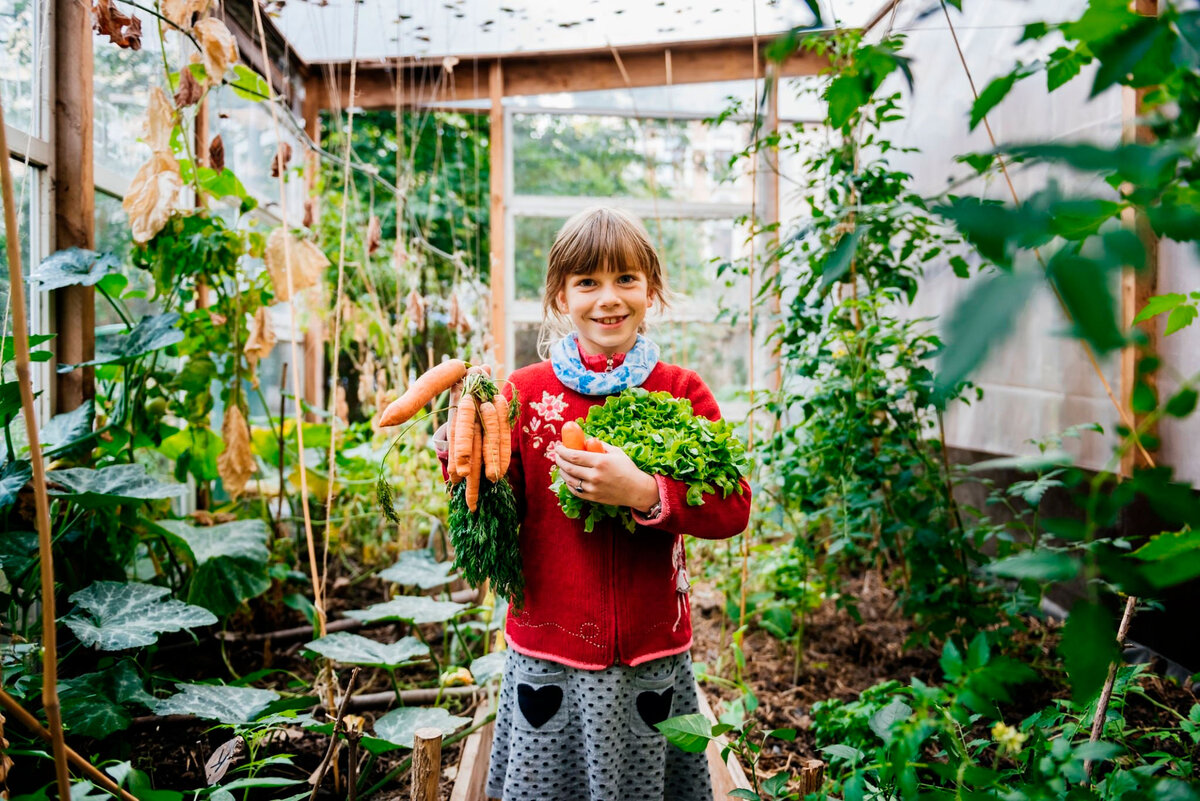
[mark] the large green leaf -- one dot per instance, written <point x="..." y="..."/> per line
<point x="201" y="446"/>
<point x="72" y="267"/>
<point x="217" y="702"/>
<point x="129" y="615"/>
<point x="981" y="321"/>
<point x="689" y="733"/>
<point x="1084" y="286"/>
<point x="69" y="427"/>
<point x="411" y="609"/>
<point x="418" y="568"/>
<point x="9" y="349"/>
<point x="110" y="485"/>
<point x="399" y="725"/>
<point x="1088" y="647"/>
<point x="886" y="718"/>
<point x="353" y="649"/>
<point x="488" y="666"/>
<point x="152" y="333"/>
<point x="95" y="704"/>
<point x="230" y="560"/>
<point x="1041" y="565"/>
<point x="13" y="477"/>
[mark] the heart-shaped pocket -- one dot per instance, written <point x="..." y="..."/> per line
<point x="655" y="707"/>
<point x="538" y="704"/>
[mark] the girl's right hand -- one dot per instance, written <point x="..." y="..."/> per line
<point x="456" y="390"/>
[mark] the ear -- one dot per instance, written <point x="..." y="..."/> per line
<point x="560" y="301"/>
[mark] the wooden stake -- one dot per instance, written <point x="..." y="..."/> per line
<point x="427" y="764"/>
<point x="16" y="284"/>
<point x="497" y="224"/>
<point x="812" y="776"/>
<point x="86" y="768"/>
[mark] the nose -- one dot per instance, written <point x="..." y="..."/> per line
<point x="608" y="294"/>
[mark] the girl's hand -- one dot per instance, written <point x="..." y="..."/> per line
<point x="609" y="478"/>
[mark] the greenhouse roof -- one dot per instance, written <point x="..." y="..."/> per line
<point x="322" y="31"/>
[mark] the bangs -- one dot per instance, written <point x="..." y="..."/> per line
<point x="611" y="245"/>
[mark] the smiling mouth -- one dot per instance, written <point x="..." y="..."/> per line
<point x="610" y="320"/>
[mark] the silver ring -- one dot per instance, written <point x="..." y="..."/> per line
<point x="579" y="486"/>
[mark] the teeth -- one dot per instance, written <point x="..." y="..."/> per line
<point x="610" y="320"/>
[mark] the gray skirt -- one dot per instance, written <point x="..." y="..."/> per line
<point x="566" y="734"/>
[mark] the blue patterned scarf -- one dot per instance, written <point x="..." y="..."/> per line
<point x="639" y="361"/>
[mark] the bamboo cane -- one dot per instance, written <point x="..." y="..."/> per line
<point x="16" y="295"/>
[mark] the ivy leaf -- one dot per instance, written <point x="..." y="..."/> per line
<point x="1088" y="647"/>
<point x="690" y="733"/>
<point x="411" y="609"/>
<point x="419" y="568"/>
<point x="981" y="321"/>
<point x="152" y="333"/>
<point x="353" y="649"/>
<point x="72" y="267"/>
<point x="64" y="429"/>
<point x="399" y="725"/>
<point x="129" y="615"/>
<point x="110" y="485"/>
<point x="217" y="702"/>
<point x="230" y="560"/>
<point x="13" y="478"/>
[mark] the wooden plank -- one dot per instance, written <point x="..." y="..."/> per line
<point x="496" y="224"/>
<point x="74" y="308"/>
<point x="470" y="783"/>
<point x="1137" y="286"/>
<point x="427" y="81"/>
<point x="726" y="777"/>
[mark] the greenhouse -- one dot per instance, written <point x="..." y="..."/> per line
<point x="603" y="399"/>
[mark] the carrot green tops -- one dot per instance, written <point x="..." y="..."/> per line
<point x="609" y="596"/>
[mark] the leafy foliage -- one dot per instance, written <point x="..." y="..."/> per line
<point x="354" y="649"/>
<point x="114" y="616"/>
<point x="399" y="725"/>
<point x="486" y="545"/>
<point x="217" y="702"/>
<point x="229" y="561"/>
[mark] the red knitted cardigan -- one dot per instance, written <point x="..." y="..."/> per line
<point x="606" y="597"/>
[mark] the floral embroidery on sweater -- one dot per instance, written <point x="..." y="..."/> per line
<point x="540" y="426"/>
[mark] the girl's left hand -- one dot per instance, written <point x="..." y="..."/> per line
<point x="609" y="478"/>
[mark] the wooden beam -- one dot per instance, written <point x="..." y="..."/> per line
<point x="1137" y="286"/>
<point x="74" y="194"/>
<point x="314" y="337"/>
<point x="427" y="81"/>
<point x="496" y="219"/>
<point x="238" y="16"/>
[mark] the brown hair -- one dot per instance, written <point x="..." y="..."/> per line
<point x="600" y="238"/>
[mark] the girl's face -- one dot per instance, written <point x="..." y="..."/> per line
<point x="606" y="308"/>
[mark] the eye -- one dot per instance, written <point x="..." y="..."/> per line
<point x="585" y="282"/>
<point x="627" y="278"/>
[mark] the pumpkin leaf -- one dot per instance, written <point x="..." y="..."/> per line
<point x="230" y="561"/>
<point x="411" y="609"/>
<point x="13" y="477"/>
<point x="128" y="615"/>
<point x="217" y="702"/>
<point x="399" y="725"/>
<point x="418" y="568"/>
<point x="152" y="333"/>
<point x="110" y="485"/>
<point x="72" y="267"/>
<point x="354" y="649"/>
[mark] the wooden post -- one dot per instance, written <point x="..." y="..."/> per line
<point x="1138" y="285"/>
<point x="496" y="226"/>
<point x="314" y="337"/>
<point x="426" y="764"/>
<point x="74" y="189"/>
<point x="812" y="776"/>
<point x="771" y="205"/>
<point x="200" y="144"/>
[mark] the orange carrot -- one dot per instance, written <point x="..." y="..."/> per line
<point x="572" y="435"/>
<point x="491" y="441"/>
<point x="464" y="434"/>
<point x="594" y="445"/>
<point x="505" y="433"/>
<point x="473" y="471"/>
<point x="451" y="468"/>
<point x="432" y="383"/>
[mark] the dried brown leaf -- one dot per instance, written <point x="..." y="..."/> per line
<point x="190" y="91"/>
<point x="415" y="309"/>
<point x="457" y="319"/>
<point x="151" y="196"/>
<point x="283" y="154"/>
<point x="160" y="120"/>
<point x="308" y="263"/>
<point x="181" y="12"/>
<point x="216" y="153"/>
<point x="122" y="30"/>
<point x="218" y="49"/>
<point x="260" y="341"/>
<point x="374" y="235"/>
<point x="236" y="463"/>
<point x="311" y="206"/>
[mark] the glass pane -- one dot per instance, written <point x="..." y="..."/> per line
<point x="248" y="136"/>
<point x="525" y="337"/>
<point x="18" y="43"/>
<point x="122" y="92"/>
<point x="113" y="236"/>
<point x="719" y="352"/>
<point x="591" y="156"/>
<point x="25" y="188"/>
<point x="690" y="251"/>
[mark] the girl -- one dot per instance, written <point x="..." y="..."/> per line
<point x="599" y="652"/>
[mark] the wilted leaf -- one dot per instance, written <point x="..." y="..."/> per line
<point x="181" y="12"/>
<point x="216" y="153"/>
<point x="230" y="561"/>
<point x="414" y="309"/>
<point x="283" y="155"/>
<point x="410" y="608"/>
<point x="457" y="319"/>
<point x="110" y="485"/>
<point x="236" y="463"/>
<point x="151" y="196"/>
<point x="217" y="46"/>
<point x="374" y="235"/>
<point x="130" y="615"/>
<point x="259" y="341"/>
<point x="190" y="91"/>
<point x="217" y="702"/>
<point x="72" y="267"/>
<point x="13" y="477"/>
<point x="122" y="30"/>
<point x="418" y="568"/>
<point x="151" y="334"/>
<point x="307" y="261"/>
<point x="354" y="649"/>
<point x="399" y="725"/>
